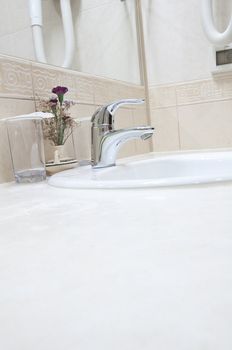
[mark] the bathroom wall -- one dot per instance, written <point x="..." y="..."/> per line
<point x="21" y="82"/>
<point x="105" y="32"/>
<point x="177" y="48"/>
<point x="190" y="108"/>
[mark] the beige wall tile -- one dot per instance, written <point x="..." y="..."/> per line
<point x="82" y="140"/>
<point x="121" y="91"/>
<point x="166" y="136"/>
<point x="107" y="91"/>
<point x="137" y="92"/>
<point x="45" y="78"/>
<point x="11" y="107"/>
<point x="207" y="125"/>
<point x="81" y="111"/>
<point x="82" y="134"/>
<point x="143" y="146"/>
<point x="6" y="172"/>
<point x="202" y="91"/>
<point x="84" y="89"/>
<point x="202" y="105"/>
<point x="207" y="90"/>
<point x="103" y="92"/>
<point x="162" y="96"/>
<point x="15" y="78"/>
<point x="139" y="114"/>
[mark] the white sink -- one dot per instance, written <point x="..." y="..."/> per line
<point x="151" y="170"/>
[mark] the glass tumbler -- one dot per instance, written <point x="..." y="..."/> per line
<point x="27" y="149"/>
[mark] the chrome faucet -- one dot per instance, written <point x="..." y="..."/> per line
<point x="105" y="140"/>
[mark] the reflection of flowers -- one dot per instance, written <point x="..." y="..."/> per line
<point x="59" y="128"/>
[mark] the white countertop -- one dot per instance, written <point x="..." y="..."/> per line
<point x="115" y="269"/>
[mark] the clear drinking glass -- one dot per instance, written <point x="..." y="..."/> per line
<point x="27" y="149"/>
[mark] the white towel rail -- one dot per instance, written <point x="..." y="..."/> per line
<point x="37" y="25"/>
<point x="215" y="37"/>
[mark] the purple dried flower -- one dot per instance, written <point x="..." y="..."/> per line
<point x="60" y="90"/>
<point x="59" y="128"/>
<point x="53" y="101"/>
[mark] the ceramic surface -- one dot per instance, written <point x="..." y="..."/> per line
<point x="127" y="269"/>
<point x="152" y="171"/>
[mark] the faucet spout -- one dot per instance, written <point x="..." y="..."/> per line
<point x="112" y="142"/>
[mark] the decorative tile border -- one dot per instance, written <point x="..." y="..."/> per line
<point x="207" y="90"/>
<point x="102" y="90"/>
<point x="15" y="79"/>
<point x="84" y="89"/>
<point x="28" y="80"/>
<point x="199" y="92"/>
<point x="44" y="79"/>
<point x="164" y="96"/>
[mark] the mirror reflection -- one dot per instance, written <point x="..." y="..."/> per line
<point x="98" y="37"/>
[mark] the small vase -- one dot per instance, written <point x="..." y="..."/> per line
<point x="59" y="153"/>
<point x="61" y="160"/>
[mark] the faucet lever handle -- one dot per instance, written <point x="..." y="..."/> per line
<point x="105" y="115"/>
<point x="112" y="108"/>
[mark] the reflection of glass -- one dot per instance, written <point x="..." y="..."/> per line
<point x="27" y="149"/>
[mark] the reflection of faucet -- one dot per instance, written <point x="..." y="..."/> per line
<point x="105" y="140"/>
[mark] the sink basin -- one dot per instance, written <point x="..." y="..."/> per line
<point x="151" y="170"/>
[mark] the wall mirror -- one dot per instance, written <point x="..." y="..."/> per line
<point x="100" y="35"/>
